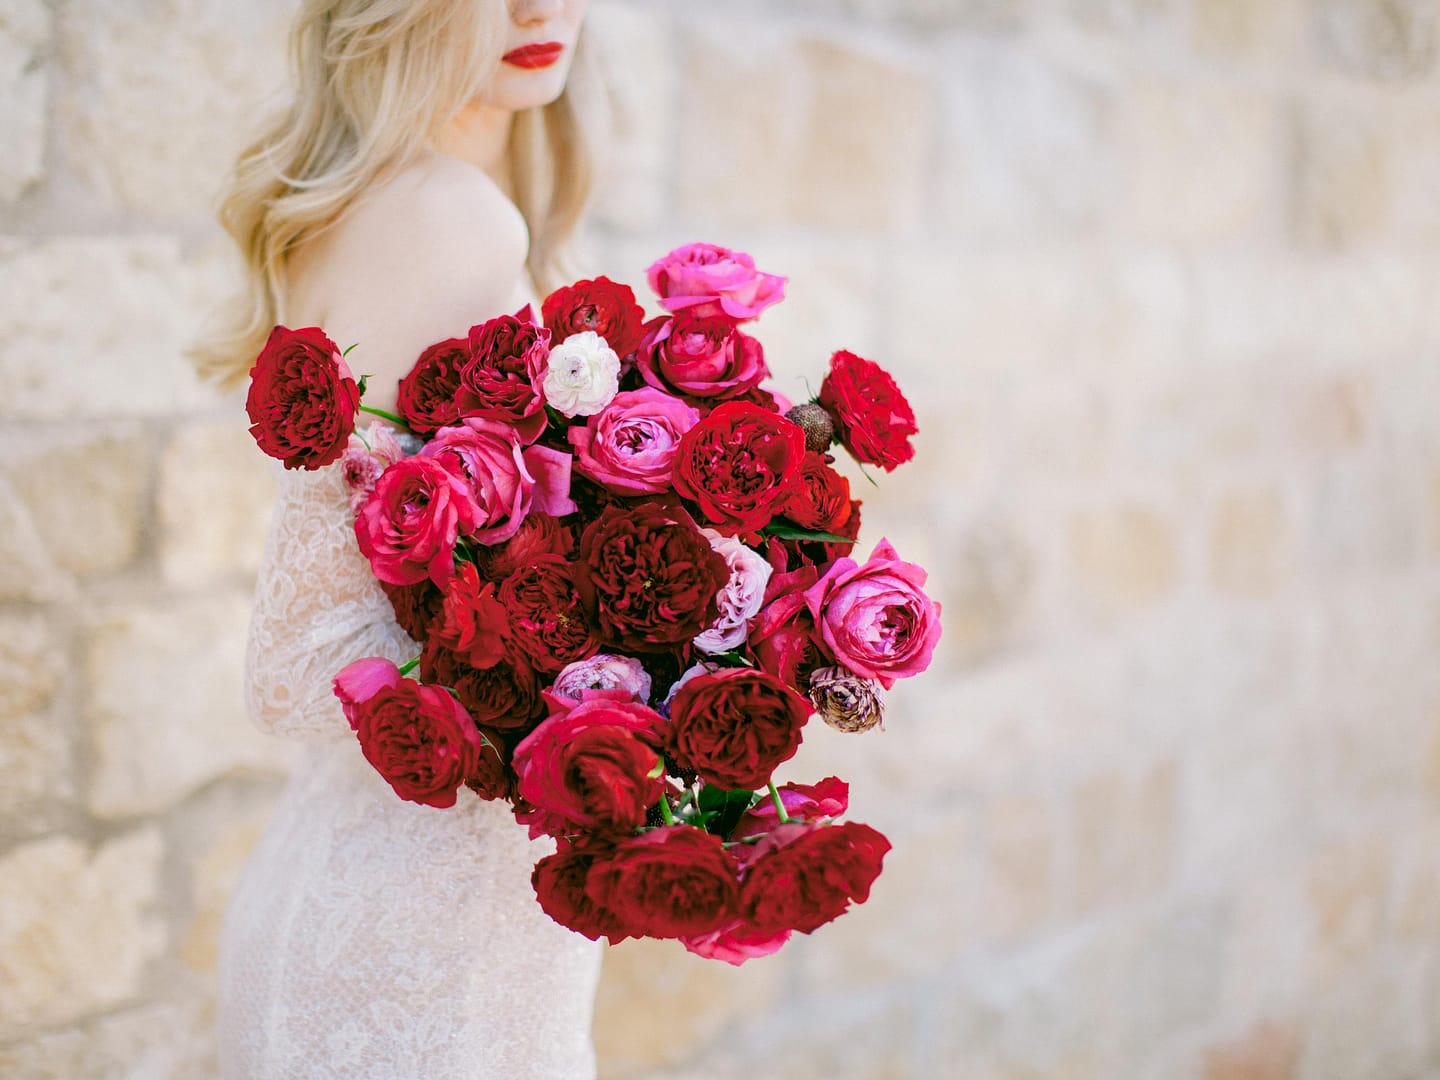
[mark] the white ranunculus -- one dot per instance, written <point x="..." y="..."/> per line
<point x="584" y="375"/>
<point x="740" y="599"/>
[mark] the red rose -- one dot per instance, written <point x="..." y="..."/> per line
<point x="734" y="727"/>
<point x="409" y="525"/>
<point x="547" y="615"/>
<point x="593" y="767"/>
<point x="420" y="739"/>
<point x="602" y="306"/>
<point x="803" y="876"/>
<point x="302" y="398"/>
<point x="505" y="695"/>
<point x="416" y="606"/>
<point x="667" y="883"/>
<point x="875" y="421"/>
<point x="652" y="576"/>
<point x="473" y="622"/>
<point x="740" y="464"/>
<point x="539" y="534"/>
<point x="427" y="393"/>
<point x="559" y="881"/>
<point x="701" y="357"/>
<point x="506" y="371"/>
<point x="822" y="498"/>
<point x="783" y="637"/>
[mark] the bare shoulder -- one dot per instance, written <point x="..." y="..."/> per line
<point x="422" y="256"/>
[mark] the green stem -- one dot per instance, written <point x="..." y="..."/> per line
<point x="409" y="666"/>
<point x="779" y="806"/>
<point x="386" y="416"/>
<point x="665" y="813"/>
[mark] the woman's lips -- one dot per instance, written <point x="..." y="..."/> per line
<point x="542" y="54"/>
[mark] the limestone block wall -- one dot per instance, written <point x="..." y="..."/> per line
<point x="1162" y="278"/>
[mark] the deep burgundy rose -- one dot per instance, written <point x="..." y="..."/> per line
<point x="427" y="393"/>
<point x="506" y="371"/>
<point x="594" y="767"/>
<point x="539" y="534"/>
<point x="416" y="606"/>
<point x="652" y="576"/>
<point x="547" y="614"/>
<point x="601" y="306"/>
<point x="803" y="802"/>
<point x="734" y="727"/>
<point x="874" y="420"/>
<point x="740" y="465"/>
<point x="559" y="882"/>
<point x="505" y="696"/>
<point x="803" y="876"/>
<point x="701" y="358"/>
<point x="473" y="623"/>
<point x="409" y="525"/>
<point x="667" y="883"/>
<point x="783" y="637"/>
<point x="302" y="398"/>
<point x="420" y="739"/>
<point x="822" y="498"/>
<point x="493" y="778"/>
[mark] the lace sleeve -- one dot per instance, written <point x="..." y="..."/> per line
<point x="317" y="607"/>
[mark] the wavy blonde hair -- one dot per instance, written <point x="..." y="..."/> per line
<point x="365" y="73"/>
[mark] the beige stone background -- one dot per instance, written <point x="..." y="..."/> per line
<point x="1163" y="279"/>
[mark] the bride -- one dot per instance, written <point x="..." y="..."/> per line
<point x="425" y="178"/>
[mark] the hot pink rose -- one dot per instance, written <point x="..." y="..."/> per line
<point x="876" y="619"/>
<point x="736" y="943"/>
<point x="803" y="802"/>
<point x="505" y="481"/>
<point x="629" y="446"/>
<point x="701" y="357"/>
<point x="714" y="279"/>
<point x="360" y="680"/>
<point x="408" y="526"/>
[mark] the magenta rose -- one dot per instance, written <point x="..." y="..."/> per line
<point x="504" y="480"/>
<point x="629" y="446"/>
<point x="594" y="767"/>
<point x="876" y="619"/>
<point x="714" y="279"/>
<point x="736" y="943"/>
<point x="803" y="803"/>
<point x="409" y="525"/>
<point x="701" y="357"/>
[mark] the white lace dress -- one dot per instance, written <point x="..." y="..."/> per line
<point x="371" y="937"/>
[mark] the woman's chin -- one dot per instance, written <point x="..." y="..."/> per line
<point x="520" y="88"/>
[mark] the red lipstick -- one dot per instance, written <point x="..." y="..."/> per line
<point x="541" y="54"/>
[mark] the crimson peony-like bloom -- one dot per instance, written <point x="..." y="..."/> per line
<point x="822" y="497"/>
<point x="503" y="379"/>
<point x="505" y="696"/>
<point x="560" y="881"/>
<point x="669" y="882"/>
<point x="733" y="727"/>
<point x="874" y="419"/>
<point x="601" y="306"/>
<point x="803" y="876"/>
<point x="473" y="623"/>
<point x="547" y="615"/>
<point x="427" y="392"/>
<point x="740" y="465"/>
<point x="302" y="398"/>
<point x="652" y="576"/>
<point x="416" y="607"/>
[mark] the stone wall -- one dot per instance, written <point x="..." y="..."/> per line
<point x="1162" y="277"/>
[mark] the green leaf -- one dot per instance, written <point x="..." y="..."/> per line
<point x="347" y="351"/>
<point x="785" y="531"/>
<point x="361" y="383"/>
<point x="721" y="809"/>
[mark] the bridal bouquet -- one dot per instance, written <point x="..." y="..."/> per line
<point x="628" y="565"/>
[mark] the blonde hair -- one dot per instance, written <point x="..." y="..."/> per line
<point x="366" y="73"/>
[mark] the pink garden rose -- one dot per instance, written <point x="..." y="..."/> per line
<point x="505" y="481"/>
<point x="408" y="526"/>
<point x="362" y="465"/>
<point x="603" y="672"/>
<point x="876" y="619"/>
<point x="735" y="943"/>
<point x="741" y="598"/>
<point x="701" y="356"/>
<point x="629" y="446"/>
<point x="714" y="279"/>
